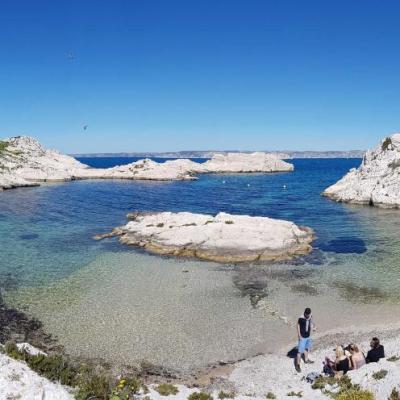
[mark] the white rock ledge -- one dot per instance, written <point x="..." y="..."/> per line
<point x="224" y="238"/>
<point x="24" y="162"/>
<point x="376" y="182"/>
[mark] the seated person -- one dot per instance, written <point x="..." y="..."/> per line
<point x="377" y="351"/>
<point x="341" y="364"/>
<point x="357" y="358"/>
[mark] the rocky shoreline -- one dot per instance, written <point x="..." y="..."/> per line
<point x="24" y="162"/>
<point x="271" y="375"/>
<point x="376" y="182"/>
<point x="224" y="238"/>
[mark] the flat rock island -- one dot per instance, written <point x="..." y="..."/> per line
<point x="25" y="162"/>
<point x="224" y="238"/>
<point x="376" y="182"/>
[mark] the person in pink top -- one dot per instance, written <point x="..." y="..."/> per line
<point x="357" y="357"/>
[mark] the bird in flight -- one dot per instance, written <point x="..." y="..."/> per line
<point x="70" y="56"/>
<point x="85" y="127"/>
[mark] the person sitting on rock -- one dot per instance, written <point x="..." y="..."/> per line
<point x="357" y="357"/>
<point x="377" y="351"/>
<point x="340" y="366"/>
<point x="305" y="326"/>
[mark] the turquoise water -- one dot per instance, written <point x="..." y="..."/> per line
<point x="51" y="266"/>
<point x="46" y="232"/>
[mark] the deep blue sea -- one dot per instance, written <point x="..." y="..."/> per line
<point x="46" y="245"/>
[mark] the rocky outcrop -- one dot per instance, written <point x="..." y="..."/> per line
<point x="376" y="182"/>
<point x="224" y="238"/>
<point x="244" y="162"/>
<point x="24" y="162"/>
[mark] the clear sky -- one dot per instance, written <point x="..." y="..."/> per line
<point x="165" y="75"/>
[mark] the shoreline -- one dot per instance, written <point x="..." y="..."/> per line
<point x="274" y="372"/>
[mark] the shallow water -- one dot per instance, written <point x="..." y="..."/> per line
<point x="102" y="298"/>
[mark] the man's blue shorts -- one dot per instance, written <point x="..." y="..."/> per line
<point x="304" y="344"/>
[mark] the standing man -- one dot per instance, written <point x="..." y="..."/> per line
<point x="305" y="326"/>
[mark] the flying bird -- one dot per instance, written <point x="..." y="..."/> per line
<point x="85" y="127"/>
<point x="70" y="56"/>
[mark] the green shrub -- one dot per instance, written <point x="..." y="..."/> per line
<point x="89" y="385"/>
<point x="295" y="394"/>
<point x="270" y="395"/>
<point x="224" y="395"/>
<point x="393" y="358"/>
<point x="95" y="386"/>
<point x="166" y="389"/>
<point x="380" y="374"/>
<point x="395" y="395"/>
<point x="11" y="349"/>
<point x="386" y="143"/>
<point x="322" y="381"/>
<point x="229" y="222"/>
<point x="160" y="225"/>
<point x="200" y="396"/>
<point x="54" y="368"/>
<point x="355" y="394"/>
<point x="3" y="145"/>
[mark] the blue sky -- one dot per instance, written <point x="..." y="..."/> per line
<point x="191" y="75"/>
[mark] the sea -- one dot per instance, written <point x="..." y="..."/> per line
<point x="104" y="299"/>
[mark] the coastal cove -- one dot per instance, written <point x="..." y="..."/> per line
<point x="124" y="305"/>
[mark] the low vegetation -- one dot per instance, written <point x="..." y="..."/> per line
<point x="380" y="374"/>
<point x="270" y="395"/>
<point x="295" y="394"/>
<point x="393" y="358"/>
<point x="386" y="143"/>
<point x="200" y="396"/>
<point x="166" y="389"/>
<point x="355" y="394"/>
<point x="3" y="145"/>
<point x="226" y="395"/>
<point x="90" y="383"/>
<point x="341" y="389"/>
<point x="229" y="222"/>
<point x="395" y="395"/>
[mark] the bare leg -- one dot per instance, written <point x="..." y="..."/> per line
<point x="298" y="358"/>
<point x="306" y="356"/>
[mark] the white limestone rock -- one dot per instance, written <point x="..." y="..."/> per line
<point x="18" y="381"/>
<point x="224" y="238"/>
<point x="246" y="162"/>
<point x="377" y="180"/>
<point x="24" y="162"/>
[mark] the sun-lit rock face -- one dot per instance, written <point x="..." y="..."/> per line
<point x="246" y="162"/>
<point x="224" y="238"/>
<point x="377" y="180"/>
<point x="24" y="162"/>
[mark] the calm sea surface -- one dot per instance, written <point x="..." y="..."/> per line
<point x="91" y="294"/>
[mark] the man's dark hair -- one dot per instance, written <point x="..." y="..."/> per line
<point x="307" y="311"/>
<point x="375" y="342"/>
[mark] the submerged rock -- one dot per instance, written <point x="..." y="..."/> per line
<point x="224" y="238"/>
<point x="24" y="162"/>
<point x="376" y="182"/>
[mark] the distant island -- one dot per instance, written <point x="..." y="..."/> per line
<point x="211" y="153"/>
